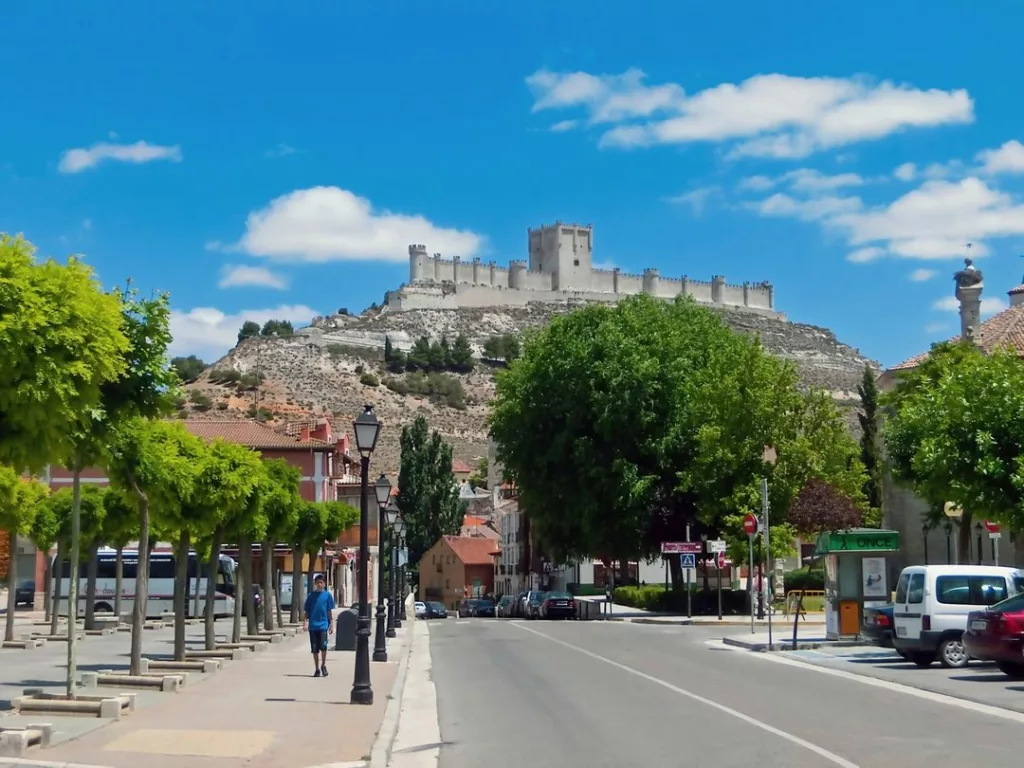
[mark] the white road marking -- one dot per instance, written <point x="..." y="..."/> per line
<point x="940" y="698"/>
<point x="820" y="751"/>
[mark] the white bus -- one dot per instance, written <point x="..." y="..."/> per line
<point x="161" y="584"/>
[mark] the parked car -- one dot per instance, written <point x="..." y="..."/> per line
<point x="519" y="605"/>
<point x="532" y="604"/>
<point x="435" y="610"/>
<point x="503" y="609"/>
<point x="878" y="625"/>
<point x="997" y="634"/>
<point x="484" y="608"/>
<point x="558" y="605"/>
<point x="467" y="608"/>
<point x="420" y="609"/>
<point x="933" y="602"/>
<point x="25" y="593"/>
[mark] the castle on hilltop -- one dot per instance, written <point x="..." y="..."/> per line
<point x="560" y="269"/>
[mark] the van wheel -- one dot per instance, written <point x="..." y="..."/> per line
<point x="952" y="654"/>
<point x="922" y="659"/>
<point x="1011" y="670"/>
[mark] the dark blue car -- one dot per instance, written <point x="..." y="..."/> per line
<point x="878" y="625"/>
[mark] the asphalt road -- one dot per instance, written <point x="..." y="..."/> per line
<point x="622" y="695"/>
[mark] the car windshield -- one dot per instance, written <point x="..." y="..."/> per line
<point x="485" y="603"/>
<point x="505" y="600"/>
<point x="437" y="606"/>
<point x="559" y="596"/>
<point x="1013" y="604"/>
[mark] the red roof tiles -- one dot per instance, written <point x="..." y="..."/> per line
<point x="1004" y="329"/>
<point x="473" y="551"/>
<point x="251" y="434"/>
<point x="460" y="466"/>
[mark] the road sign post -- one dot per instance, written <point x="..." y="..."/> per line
<point x="717" y="547"/>
<point x="750" y="528"/>
<point x="689" y="592"/>
<point x="995" y="535"/>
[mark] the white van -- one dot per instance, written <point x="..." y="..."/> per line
<point x="932" y="603"/>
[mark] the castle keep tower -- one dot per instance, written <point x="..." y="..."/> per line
<point x="564" y="251"/>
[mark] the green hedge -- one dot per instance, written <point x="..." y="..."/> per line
<point x="805" y="578"/>
<point x="655" y="598"/>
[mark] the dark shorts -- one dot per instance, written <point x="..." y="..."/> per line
<point x="317" y="640"/>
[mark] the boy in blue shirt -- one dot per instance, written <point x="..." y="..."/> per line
<point x="319" y="623"/>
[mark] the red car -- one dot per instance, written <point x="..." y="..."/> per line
<point x="997" y="634"/>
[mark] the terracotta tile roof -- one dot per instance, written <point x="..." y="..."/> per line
<point x="473" y="551"/>
<point x="251" y="434"/>
<point x="1004" y="329"/>
<point x="474" y="520"/>
<point x="460" y="466"/>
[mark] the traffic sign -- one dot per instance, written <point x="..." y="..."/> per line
<point x="992" y="527"/>
<point x="720" y="563"/>
<point x="680" y="547"/>
<point x="750" y="524"/>
<point x="688" y="561"/>
<point x="716" y="546"/>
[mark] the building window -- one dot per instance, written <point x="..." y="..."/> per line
<point x="575" y="262"/>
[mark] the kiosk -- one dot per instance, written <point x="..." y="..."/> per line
<point x="855" y="575"/>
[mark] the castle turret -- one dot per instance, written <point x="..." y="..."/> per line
<point x="517" y="275"/>
<point x="969" y="285"/>
<point x="417" y="263"/>
<point x="717" y="286"/>
<point x="438" y="276"/>
<point x="652" y="281"/>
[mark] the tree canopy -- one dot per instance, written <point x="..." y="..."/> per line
<point x="427" y="494"/>
<point x="956" y="432"/>
<point x="621" y="424"/>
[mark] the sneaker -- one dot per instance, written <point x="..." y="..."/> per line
<point x="317" y="673"/>
<point x="324" y="670"/>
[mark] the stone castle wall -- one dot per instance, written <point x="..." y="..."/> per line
<point x="439" y="283"/>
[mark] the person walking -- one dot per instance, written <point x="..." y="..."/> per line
<point x="319" y="623"/>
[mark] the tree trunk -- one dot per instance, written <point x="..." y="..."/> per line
<point x="245" y="586"/>
<point x="199" y="574"/>
<point x="76" y="524"/>
<point x="90" y="586"/>
<point x="297" y="580"/>
<point x="675" y="570"/>
<point x="48" y="589"/>
<point x="211" y="592"/>
<point x="277" y="597"/>
<point x="180" y="593"/>
<point x="12" y="584"/>
<point x="141" y="584"/>
<point x="267" y="558"/>
<point x="58" y="568"/>
<point x="118" y="582"/>
<point x="963" y="540"/>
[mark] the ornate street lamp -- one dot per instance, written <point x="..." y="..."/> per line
<point x="391" y="512"/>
<point x="955" y="515"/>
<point x="366" y="430"/>
<point x="399" y="529"/>
<point x="382" y="488"/>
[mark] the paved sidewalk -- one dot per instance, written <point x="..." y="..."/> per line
<point x="266" y="711"/>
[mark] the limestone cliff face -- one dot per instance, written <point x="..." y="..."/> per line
<point x="318" y="371"/>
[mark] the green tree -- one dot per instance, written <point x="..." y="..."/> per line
<point x="435" y="357"/>
<point x="92" y="521"/>
<point x="462" y="354"/>
<point x="479" y="478"/>
<point x="655" y="415"/>
<point x="446" y="354"/>
<point x="247" y="526"/>
<point x="818" y="507"/>
<point x="956" y="434"/>
<point x="388" y="349"/>
<point x="277" y="328"/>
<point x="188" y="368"/>
<point x="60" y="342"/>
<point x="869" y="442"/>
<point x="148" y="463"/>
<point x="19" y="501"/>
<point x="120" y="526"/>
<point x="249" y="329"/>
<point x="493" y="348"/>
<point x="281" y="505"/>
<point x="428" y="497"/>
<point x="510" y="346"/>
<point x="45" y="532"/>
<point x="308" y="533"/>
<point x="418" y="358"/>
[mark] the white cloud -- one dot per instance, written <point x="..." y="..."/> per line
<point x="78" y="160"/>
<point x="210" y="333"/>
<point x="564" y="125"/>
<point x="1009" y="158"/>
<point x="906" y="172"/>
<point x="330" y="224"/>
<point x="814" y="209"/>
<point x="697" y="199"/>
<point x="241" y="275"/>
<point x="768" y="115"/>
<point x="281" y="150"/>
<point x="922" y="275"/>
<point x="813" y="181"/>
<point x="864" y="255"/>
<point x="756" y="184"/>
<point x="988" y="306"/>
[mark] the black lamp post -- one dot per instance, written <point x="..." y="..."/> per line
<point x="383" y="490"/>
<point x="366" y="429"/>
<point x="403" y="547"/>
<point x="398" y="595"/>
<point x="392" y="515"/>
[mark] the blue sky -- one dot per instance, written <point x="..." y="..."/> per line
<point x="269" y="159"/>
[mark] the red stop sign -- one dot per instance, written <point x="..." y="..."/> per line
<point x="750" y="524"/>
<point x="992" y="527"/>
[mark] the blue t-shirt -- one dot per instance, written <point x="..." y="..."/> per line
<point x="318" y="609"/>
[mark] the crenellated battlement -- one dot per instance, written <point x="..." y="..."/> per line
<point x="560" y="267"/>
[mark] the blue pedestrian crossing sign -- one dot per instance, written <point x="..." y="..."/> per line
<point x="688" y="561"/>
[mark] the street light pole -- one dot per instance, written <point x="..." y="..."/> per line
<point x="397" y="529"/>
<point x="366" y="429"/>
<point x="392" y="516"/>
<point x="382" y="488"/>
<point x="769" y="457"/>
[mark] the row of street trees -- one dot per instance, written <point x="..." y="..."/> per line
<point x="954" y="432"/>
<point x="622" y="424"/>
<point x="85" y="381"/>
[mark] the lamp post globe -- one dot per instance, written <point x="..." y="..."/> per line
<point x="366" y="430"/>
<point x="382" y="489"/>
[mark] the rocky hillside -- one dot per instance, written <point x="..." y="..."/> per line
<point x="336" y="366"/>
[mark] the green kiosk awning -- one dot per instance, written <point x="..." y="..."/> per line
<point x="857" y="540"/>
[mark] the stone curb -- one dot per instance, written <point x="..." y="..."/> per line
<point x="380" y="755"/>
<point x="705" y="623"/>
<point x="14" y="762"/>
<point x="808" y="645"/>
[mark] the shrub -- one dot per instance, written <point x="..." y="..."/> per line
<point x="199" y="400"/>
<point x="370" y="354"/>
<point x="369" y="380"/>
<point x="804" y="578"/>
<point x="655" y="598"/>
<point x="225" y="376"/>
<point x="437" y="387"/>
<point x="222" y="406"/>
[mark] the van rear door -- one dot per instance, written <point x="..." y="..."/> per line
<point x="908" y="607"/>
